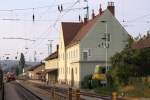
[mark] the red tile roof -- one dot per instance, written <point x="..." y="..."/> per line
<point x="70" y="30"/>
<point x="142" y="43"/>
<point x="36" y="66"/>
<point x="84" y="30"/>
<point x="52" y="56"/>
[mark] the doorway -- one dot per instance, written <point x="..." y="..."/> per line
<point x="72" y="77"/>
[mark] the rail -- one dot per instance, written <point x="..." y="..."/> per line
<point x="58" y="93"/>
<point x="72" y="94"/>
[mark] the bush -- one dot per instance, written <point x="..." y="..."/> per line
<point x="107" y="90"/>
<point x="88" y="83"/>
<point x="85" y="82"/>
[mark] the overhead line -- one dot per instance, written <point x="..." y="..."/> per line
<point x="31" y="8"/>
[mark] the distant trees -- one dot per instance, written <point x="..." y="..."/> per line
<point x="130" y="63"/>
<point x="22" y="62"/>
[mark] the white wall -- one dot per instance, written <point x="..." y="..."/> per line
<point x="61" y="59"/>
<point x="72" y="59"/>
<point x="51" y="64"/>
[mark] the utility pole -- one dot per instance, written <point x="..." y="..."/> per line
<point x="50" y="47"/>
<point x="106" y="46"/>
<point x="35" y="53"/>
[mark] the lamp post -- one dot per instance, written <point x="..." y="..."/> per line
<point x="106" y="38"/>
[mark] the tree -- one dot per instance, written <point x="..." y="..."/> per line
<point x="22" y="62"/>
<point x="130" y="63"/>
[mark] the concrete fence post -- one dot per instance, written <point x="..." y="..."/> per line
<point x="77" y="94"/>
<point x="70" y="94"/>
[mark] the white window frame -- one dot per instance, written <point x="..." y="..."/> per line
<point x="85" y="51"/>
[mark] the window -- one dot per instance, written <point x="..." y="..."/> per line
<point x="85" y="55"/>
<point x="63" y="56"/>
<point x="75" y="53"/>
<point x="76" y="70"/>
<point x="69" y="54"/>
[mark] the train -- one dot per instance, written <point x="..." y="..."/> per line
<point x="10" y="77"/>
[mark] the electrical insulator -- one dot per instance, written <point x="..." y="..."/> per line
<point x="61" y="8"/>
<point x="79" y="18"/>
<point x="33" y="17"/>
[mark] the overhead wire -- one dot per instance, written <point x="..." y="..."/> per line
<point x="66" y="11"/>
<point x="59" y="18"/>
<point x="47" y="28"/>
<point x="30" y="8"/>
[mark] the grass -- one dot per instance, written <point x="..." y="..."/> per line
<point x="134" y="90"/>
<point x="141" y="90"/>
<point x="106" y="91"/>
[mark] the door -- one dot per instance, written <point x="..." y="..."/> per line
<point x="72" y="77"/>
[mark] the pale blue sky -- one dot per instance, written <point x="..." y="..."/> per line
<point x="135" y="13"/>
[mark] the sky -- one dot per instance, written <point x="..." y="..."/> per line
<point x="16" y="22"/>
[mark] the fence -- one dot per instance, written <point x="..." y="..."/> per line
<point x="70" y="94"/>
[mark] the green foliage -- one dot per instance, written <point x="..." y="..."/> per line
<point x="137" y="89"/>
<point x="85" y="81"/>
<point x="130" y="63"/>
<point x="107" y="90"/>
<point x="22" y="61"/>
<point x="17" y="71"/>
<point x="88" y="83"/>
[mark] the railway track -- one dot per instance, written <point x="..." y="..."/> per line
<point x="23" y="93"/>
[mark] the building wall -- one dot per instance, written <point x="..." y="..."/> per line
<point x="37" y="70"/>
<point x="90" y="42"/>
<point x="31" y="74"/>
<point x="51" y="64"/>
<point x="71" y="62"/>
<point x="72" y="59"/>
<point x="87" y="68"/>
<point x="62" y="60"/>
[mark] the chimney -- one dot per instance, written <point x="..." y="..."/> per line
<point x="93" y="14"/>
<point x="100" y="9"/>
<point x="111" y="8"/>
<point x="85" y="20"/>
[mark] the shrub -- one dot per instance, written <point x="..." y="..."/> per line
<point x="85" y="82"/>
